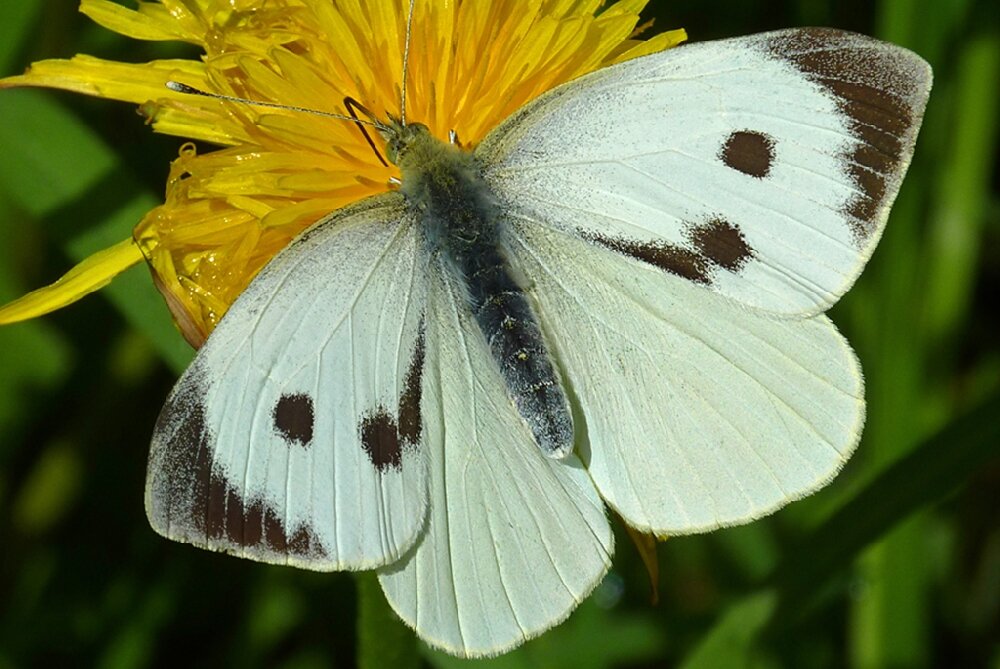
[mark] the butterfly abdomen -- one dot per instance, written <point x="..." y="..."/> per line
<point x="506" y="319"/>
<point x="462" y="232"/>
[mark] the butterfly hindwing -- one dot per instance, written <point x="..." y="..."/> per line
<point x="296" y="434"/>
<point x="698" y="412"/>
<point x="515" y="540"/>
<point x="763" y="167"/>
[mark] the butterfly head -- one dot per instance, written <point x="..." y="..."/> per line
<point x="400" y="139"/>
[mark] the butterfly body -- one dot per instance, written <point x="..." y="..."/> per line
<point x="463" y="231"/>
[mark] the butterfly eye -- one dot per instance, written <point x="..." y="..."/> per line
<point x="749" y="152"/>
<point x="401" y="137"/>
<point x="293" y="419"/>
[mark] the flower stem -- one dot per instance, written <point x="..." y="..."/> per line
<point x="383" y="639"/>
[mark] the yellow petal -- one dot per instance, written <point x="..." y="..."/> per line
<point x="660" y="42"/>
<point x="194" y="117"/>
<point x="139" y="25"/>
<point x="93" y="273"/>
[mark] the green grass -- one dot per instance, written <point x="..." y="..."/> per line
<point x="894" y="565"/>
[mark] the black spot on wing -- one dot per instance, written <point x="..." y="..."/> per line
<point x="749" y="152"/>
<point x="881" y="90"/>
<point x="714" y="244"/>
<point x="190" y="499"/>
<point x="385" y="438"/>
<point x="410" y="420"/>
<point x="293" y="418"/>
<point x="380" y="439"/>
<point x="721" y="243"/>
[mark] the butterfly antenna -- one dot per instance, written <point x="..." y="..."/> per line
<point x="353" y="104"/>
<point x="178" y="87"/>
<point x="406" y="60"/>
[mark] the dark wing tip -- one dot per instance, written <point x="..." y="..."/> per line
<point x="882" y="89"/>
<point x="189" y="500"/>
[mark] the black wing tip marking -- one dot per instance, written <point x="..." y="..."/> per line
<point x="384" y="438"/>
<point x="187" y="499"/>
<point x="882" y="89"/>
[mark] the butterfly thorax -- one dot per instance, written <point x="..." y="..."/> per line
<point x="463" y="231"/>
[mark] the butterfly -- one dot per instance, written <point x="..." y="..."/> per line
<point x="614" y="301"/>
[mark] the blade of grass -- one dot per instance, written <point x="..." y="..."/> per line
<point x="891" y="620"/>
<point x="32" y="355"/>
<point x="925" y="475"/>
<point x="889" y="624"/>
<point x="732" y="642"/>
<point x="962" y="193"/>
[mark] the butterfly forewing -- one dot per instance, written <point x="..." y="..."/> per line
<point x="762" y="167"/>
<point x="296" y="434"/>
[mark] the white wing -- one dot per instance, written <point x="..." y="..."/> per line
<point x="515" y="540"/>
<point x="295" y="435"/>
<point x="698" y="412"/>
<point x="763" y="166"/>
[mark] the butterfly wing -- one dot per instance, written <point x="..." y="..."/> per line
<point x="697" y="412"/>
<point x="762" y="167"/>
<point x="515" y="540"/>
<point x="295" y="435"/>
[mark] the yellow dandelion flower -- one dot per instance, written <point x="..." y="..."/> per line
<point x="227" y="212"/>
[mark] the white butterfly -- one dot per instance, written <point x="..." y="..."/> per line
<point x="616" y="299"/>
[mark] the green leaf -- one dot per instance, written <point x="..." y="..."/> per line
<point x="50" y="158"/>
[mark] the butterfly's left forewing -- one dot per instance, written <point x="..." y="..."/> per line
<point x="295" y="436"/>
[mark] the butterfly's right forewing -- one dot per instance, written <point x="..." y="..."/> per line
<point x="295" y="436"/>
<point x="760" y="167"/>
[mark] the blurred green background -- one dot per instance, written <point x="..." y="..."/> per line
<point x="897" y="564"/>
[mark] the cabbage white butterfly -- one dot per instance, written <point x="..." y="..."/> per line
<point x="616" y="299"/>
